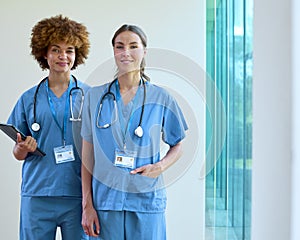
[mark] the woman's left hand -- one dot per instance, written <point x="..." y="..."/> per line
<point x="150" y="170"/>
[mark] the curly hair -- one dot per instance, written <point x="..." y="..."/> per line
<point x="59" y="29"/>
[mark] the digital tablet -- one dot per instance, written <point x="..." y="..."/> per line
<point x="12" y="131"/>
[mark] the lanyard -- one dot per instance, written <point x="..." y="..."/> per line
<point x="67" y="106"/>
<point x="124" y="129"/>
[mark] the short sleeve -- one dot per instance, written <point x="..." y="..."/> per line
<point x="174" y="124"/>
<point x="18" y="116"/>
<point x="86" y="128"/>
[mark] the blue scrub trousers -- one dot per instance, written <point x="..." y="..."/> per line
<point x="126" y="225"/>
<point x="40" y="217"/>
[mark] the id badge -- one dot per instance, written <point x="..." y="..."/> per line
<point x="64" y="154"/>
<point x="125" y="159"/>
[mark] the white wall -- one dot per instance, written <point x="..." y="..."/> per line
<point x="295" y="212"/>
<point x="173" y="25"/>
<point x="179" y="27"/>
<point x="272" y="81"/>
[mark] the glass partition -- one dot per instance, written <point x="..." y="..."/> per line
<point x="229" y="66"/>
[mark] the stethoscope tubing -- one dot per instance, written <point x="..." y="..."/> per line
<point x="35" y="125"/>
<point x="139" y="130"/>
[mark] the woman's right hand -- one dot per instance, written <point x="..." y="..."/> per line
<point x="90" y="222"/>
<point x="23" y="147"/>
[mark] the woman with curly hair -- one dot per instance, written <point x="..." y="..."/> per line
<point x="49" y="115"/>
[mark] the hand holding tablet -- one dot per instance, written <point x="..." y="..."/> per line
<point x="12" y="131"/>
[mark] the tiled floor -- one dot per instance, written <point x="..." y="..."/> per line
<point x="218" y="223"/>
<point x="228" y="212"/>
<point x="217" y="226"/>
<point x="220" y="233"/>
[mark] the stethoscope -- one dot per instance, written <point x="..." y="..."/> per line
<point x="36" y="126"/>
<point x="139" y="130"/>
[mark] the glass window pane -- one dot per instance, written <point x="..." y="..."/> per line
<point x="229" y="64"/>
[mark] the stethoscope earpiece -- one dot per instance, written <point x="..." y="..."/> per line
<point x="139" y="131"/>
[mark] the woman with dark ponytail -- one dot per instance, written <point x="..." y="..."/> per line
<point x="123" y="192"/>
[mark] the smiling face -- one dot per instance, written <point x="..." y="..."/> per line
<point x="60" y="57"/>
<point x="129" y="52"/>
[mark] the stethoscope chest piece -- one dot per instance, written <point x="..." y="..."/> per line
<point x="35" y="127"/>
<point x="139" y="131"/>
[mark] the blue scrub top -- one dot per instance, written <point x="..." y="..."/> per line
<point x="114" y="188"/>
<point x="42" y="176"/>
